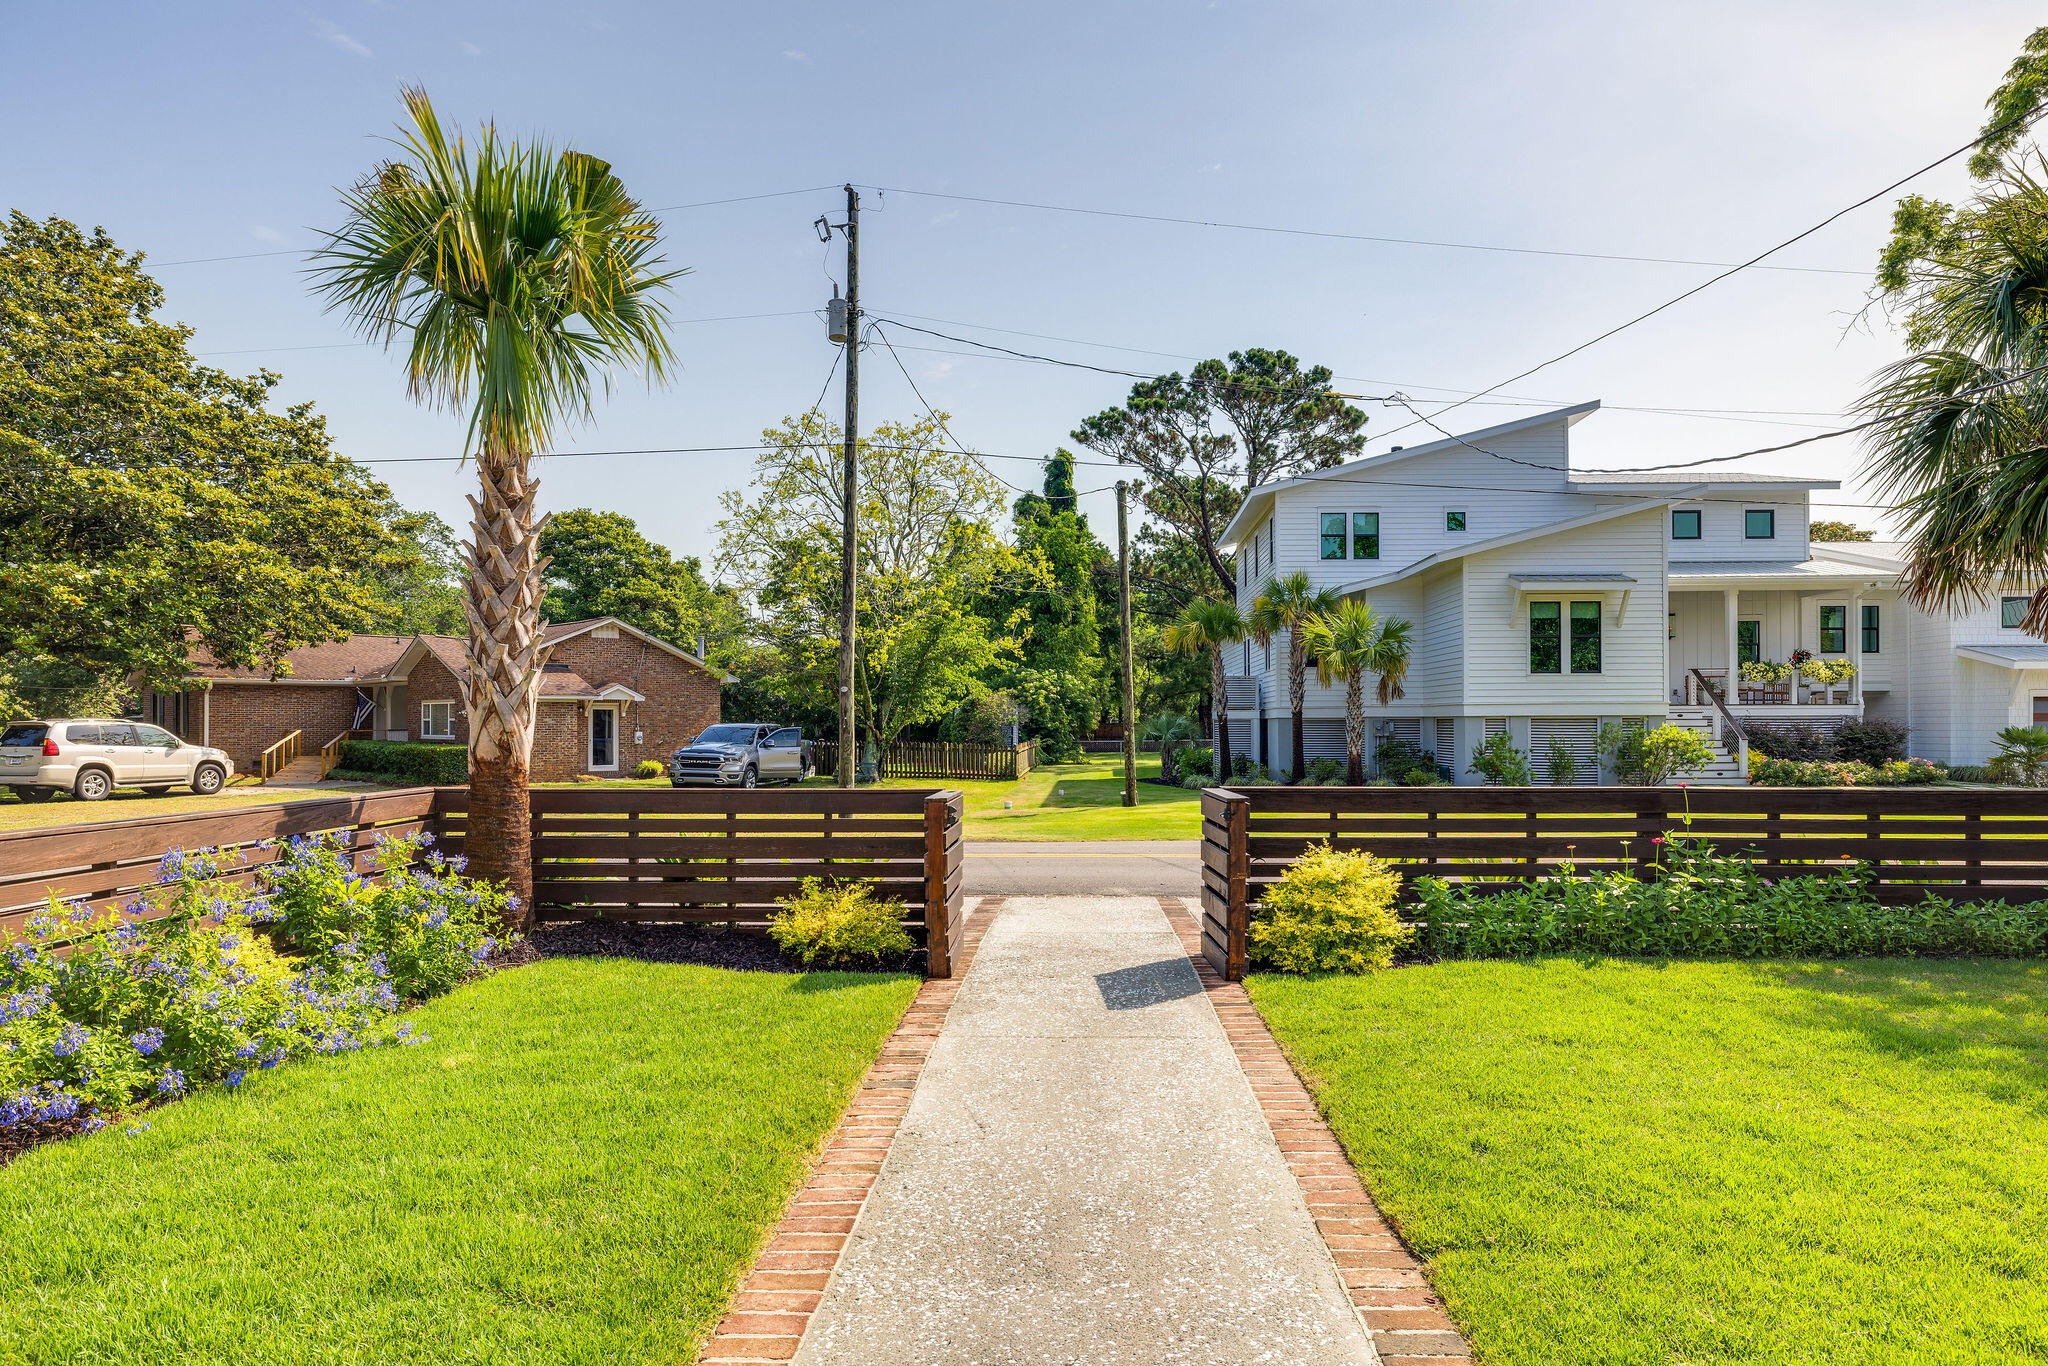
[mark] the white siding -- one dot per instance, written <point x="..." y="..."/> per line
<point x="1632" y="675"/>
<point x="1722" y="528"/>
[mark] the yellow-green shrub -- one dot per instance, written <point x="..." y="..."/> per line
<point x="840" y="925"/>
<point x="1331" y="911"/>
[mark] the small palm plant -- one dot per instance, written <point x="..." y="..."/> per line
<point x="2023" y="755"/>
<point x="1206" y="627"/>
<point x="1350" y="641"/>
<point x="1289" y="604"/>
<point x="516" y="278"/>
<point x="1169" y="730"/>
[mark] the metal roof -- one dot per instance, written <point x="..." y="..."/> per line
<point x="1663" y="479"/>
<point x="1757" y="569"/>
<point x="2009" y="656"/>
<point x="1566" y="576"/>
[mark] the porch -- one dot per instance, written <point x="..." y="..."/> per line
<point x="1724" y="616"/>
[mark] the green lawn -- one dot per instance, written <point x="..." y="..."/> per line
<point x="1702" y="1162"/>
<point x="1081" y="801"/>
<point x="131" y="804"/>
<point x="576" y="1168"/>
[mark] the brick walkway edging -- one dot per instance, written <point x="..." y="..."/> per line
<point x="773" y="1306"/>
<point x="1388" y="1285"/>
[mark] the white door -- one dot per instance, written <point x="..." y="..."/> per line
<point x="604" y="737"/>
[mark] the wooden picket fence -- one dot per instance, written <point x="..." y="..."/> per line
<point x="940" y="761"/>
<point x="669" y="855"/>
<point x="1963" y="845"/>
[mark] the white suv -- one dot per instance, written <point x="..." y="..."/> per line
<point x="89" y="759"/>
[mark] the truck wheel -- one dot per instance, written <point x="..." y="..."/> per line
<point x="35" y="794"/>
<point x="93" y="785"/>
<point x="206" y="779"/>
<point x="750" y="778"/>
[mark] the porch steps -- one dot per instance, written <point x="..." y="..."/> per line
<point x="1726" y="770"/>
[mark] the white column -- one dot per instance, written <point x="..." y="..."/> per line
<point x="1852" y="643"/>
<point x="1732" y="689"/>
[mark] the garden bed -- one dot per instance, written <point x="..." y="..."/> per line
<point x="704" y="945"/>
<point x="575" y="1166"/>
<point x="1767" y="1162"/>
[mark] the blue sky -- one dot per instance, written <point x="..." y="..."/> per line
<point x="208" y="130"/>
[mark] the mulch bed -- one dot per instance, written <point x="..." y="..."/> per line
<point x="711" y="946"/>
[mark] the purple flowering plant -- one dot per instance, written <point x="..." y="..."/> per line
<point x="191" y="984"/>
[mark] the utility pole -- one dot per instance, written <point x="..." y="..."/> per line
<point x="1123" y="608"/>
<point x="849" y="489"/>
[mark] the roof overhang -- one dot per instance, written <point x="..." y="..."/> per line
<point x="1445" y="558"/>
<point x="1252" y="510"/>
<point x="653" y="640"/>
<point x="615" y="692"/>
<point x="1600" y="585"/>
<point x="2006" y="657"/>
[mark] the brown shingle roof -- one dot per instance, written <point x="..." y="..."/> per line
<point x="334" y="661"/>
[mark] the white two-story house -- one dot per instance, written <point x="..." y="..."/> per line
<point x="1546" y="601"/>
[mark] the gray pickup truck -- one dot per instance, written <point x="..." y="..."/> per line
<point x="741" y="754"/>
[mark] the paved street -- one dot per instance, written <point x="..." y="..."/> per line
<point x="1084" y="868"/>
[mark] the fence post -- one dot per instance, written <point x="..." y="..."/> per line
<point x="938" y="929"/>
<point x="1240" y="890"/>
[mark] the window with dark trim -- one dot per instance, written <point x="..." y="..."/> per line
<point x="1333" y="535"/>
<point x="2011" y="612"/>
<point x="1760" y="524"/>
<point x="1585" y="637"/>
<point x="1546" y="638"/>
<point x="1365" y="535"/>
<point x="1454" y="521"/>
<point x="1685" y="524"/>
<point x="1749" y="636"/>
<point x="1870" y="636"/>
<point x="1834" y="630"/>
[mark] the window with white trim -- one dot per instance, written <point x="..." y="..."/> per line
<point x="437" y="720"/>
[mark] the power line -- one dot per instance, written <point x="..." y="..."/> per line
<point x="336" y="346"/>
<point x="665" y="208"/>
<point x="933" y="413"/>
<point x="1341" y="236"/>
<point x="1737" y="269"/>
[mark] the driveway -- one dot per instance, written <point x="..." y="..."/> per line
<point x="1084" y="868"/>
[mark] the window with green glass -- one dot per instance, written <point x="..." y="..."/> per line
<point x="2011" y="612"/>
<point x="1834" y="630"/>
<point x="1546" y="638"/>
<point x="1365" y="535"/>
<point x="1585" y="637"/>
<point x="1760" y="524"/>
<point x="1454" y="521"/>
<point x="1333" y="535"/>
<point x="1749" y="637"/>
<point x="1685" y="524"/>
<point x="1869" y="629"/>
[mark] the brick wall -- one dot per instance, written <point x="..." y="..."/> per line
<point x="432" y="681"/>
<point x="248" y="718"/>
<point x="681" y="701"/>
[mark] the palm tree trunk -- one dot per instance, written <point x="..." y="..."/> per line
<point x="1222" y="706"/>
<point x="1297" y="689"/>
<point x="1354" y="728"/>
<point x="503" y="607"/>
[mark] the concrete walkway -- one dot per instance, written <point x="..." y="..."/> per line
<point x="1085" y="868"/>
<point x="1083" y="1177"/>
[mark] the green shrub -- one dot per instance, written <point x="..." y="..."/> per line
<point x="1794" y="740"/>
<point x="405" y="761"/>
<point x="2022" y="756"/>
<point x="1872" y="742"/>
<point x="1195" y="782"/>
<point x="1643" y="758"/>
<point x="1562" y="764"/>
<point x="648" y="768"/>
<point x="1817" y="773"/>
<point x="1906" y="772"/>
<point x="1195" y="759"/>
<point x="1497" y="760"/>
<point x="1395" y="757"/>
<point x="1423" y="776"/>
<point x="1969" y="773"/>
<point x="215" y="979"/>
<point x="840" y="925"/>
<point x="1325" y="772"/>
<point x="1330" y="911"/>
<point x="1704" y="904"/>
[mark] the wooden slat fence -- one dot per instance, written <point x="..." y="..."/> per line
<point x="938" y="761"/>
<point x="109" y="862"/>
<point x="1963" y="845"/>
<point x="684" y="855"/>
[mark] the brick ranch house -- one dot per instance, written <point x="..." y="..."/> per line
<point x="610" y="696"/>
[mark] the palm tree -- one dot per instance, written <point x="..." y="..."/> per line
<point x="1958" y="442"/>
<point x="1350" y="641"/>
<point x="1289" y="603"/>
<point x="516" y="276"/>
<point x="1171" y="730"/>
<point x="1208" y="626"/>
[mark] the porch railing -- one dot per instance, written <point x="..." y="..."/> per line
<point x="1724" y="722"/>
<point x="272" y="761"/>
